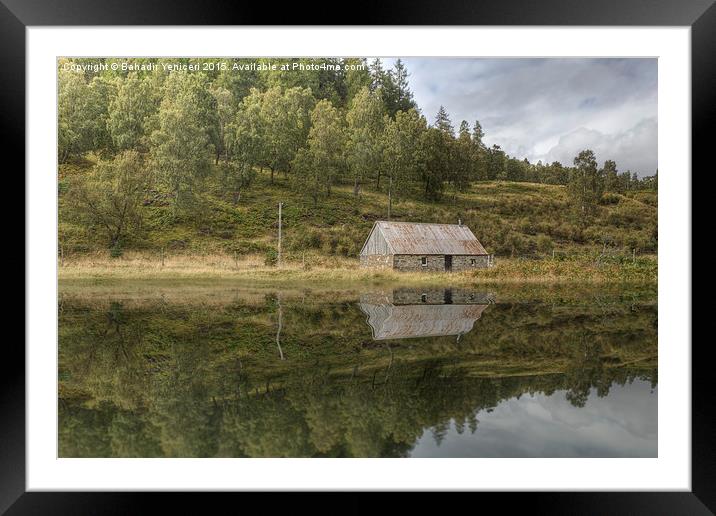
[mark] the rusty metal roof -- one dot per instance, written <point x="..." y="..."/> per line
<point x="409" y="321"/>
<point x="424" y="238"/>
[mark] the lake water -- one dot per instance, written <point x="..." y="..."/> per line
<point x="213" y="370"/>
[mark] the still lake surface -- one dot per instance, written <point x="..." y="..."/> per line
<point x="491" y="371"/>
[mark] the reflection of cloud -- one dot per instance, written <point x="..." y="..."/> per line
<point x="528" y="105"/>
<point x="622" y="424"/>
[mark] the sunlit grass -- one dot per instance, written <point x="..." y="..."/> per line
<point x="315" y="270"/>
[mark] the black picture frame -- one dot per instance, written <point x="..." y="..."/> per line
<point x="16" y="15"/>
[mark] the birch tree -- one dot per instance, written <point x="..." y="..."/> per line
<point x="364" y="149"/>
<point x="320" y="163"/>
<point x="181" y="148"/>
<point x="403" y="153"/>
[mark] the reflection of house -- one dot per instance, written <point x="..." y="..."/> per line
<point x="412" y="246"/>
<point x="408" y="313"/>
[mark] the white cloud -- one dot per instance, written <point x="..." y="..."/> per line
<point x="632" y="149"/>
<point x="533" y="108"/>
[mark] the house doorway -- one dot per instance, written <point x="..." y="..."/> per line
<point x="447" y="296"/>
<point x="448" y="263"/>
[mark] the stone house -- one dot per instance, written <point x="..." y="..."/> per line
<point x="416" y="246"/>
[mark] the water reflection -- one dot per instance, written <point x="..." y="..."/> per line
<point x="409" y="313"/>
<point x="622" y="424"/>
<point x="252" y="373"/>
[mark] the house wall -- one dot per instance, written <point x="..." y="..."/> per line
<point x="413" y="262"/>
<point x="409" y="262"/>
<point x="471" y="297"/>
<point x="437" y="263"/>
<point x="414" y="296"/>
<point x="463" y="263"/>
<point x="433" y="296"/>
<point x="376" y="244"/>
<point x="376" y="261"/>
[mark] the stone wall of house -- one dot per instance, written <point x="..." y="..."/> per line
<point x="464" y="263"/>
<point x="376" y="261"/>
<point x="440" y="296"/>
<point x="409" y="262"/>
<point x="471" y="297"/>
<point x="415" y="296"/>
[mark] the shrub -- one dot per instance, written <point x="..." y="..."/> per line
<point x="544" y="243"/>
<point x="333" y="242"/>
<point x="271" y="257"/>
<point x="346" y="247"/>
<point x="311" y="239"/>
<point x="514" y="244"/>
<point x="610" y="198"/>
<point x="246" y="247"/>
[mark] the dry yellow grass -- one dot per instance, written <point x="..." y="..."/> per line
<point x="339" y="271"/>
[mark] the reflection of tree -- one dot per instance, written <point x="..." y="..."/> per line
<point x="586" y="371"/>
<point x="307" y="416"/>
<point x="106" y="354"/>
<point x="132" y="437"/>
<point x="266" y="426"/>
<point x="201" y="381"/>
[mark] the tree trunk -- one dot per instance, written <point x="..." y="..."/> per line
<point x="390" y="197"/>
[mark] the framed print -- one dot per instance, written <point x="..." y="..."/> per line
<point x="306" y="258"/>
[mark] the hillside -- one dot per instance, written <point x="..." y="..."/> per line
<point x="511" y="219"/>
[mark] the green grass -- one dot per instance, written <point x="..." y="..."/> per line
<point x="510" y="219"/>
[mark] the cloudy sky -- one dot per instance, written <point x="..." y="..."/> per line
<point x="549" y="109"/>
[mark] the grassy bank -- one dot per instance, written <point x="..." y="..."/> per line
<point x="509" y="219"/>
<point x="315" y="270"/>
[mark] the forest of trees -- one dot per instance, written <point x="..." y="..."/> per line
<point x="170" y="127"/>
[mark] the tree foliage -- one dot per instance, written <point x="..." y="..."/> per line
<point x="182" y="147"/>
<point x="129" y="113"/>
<point x="586" y="185"/>
<point x="82" y="114"/>
<point x="320" y="163"/>
<point x="403" y="154"/>
<point x="212" y="135"/>
<point x="364" y="146"/>
<point x="109" y="199"/>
